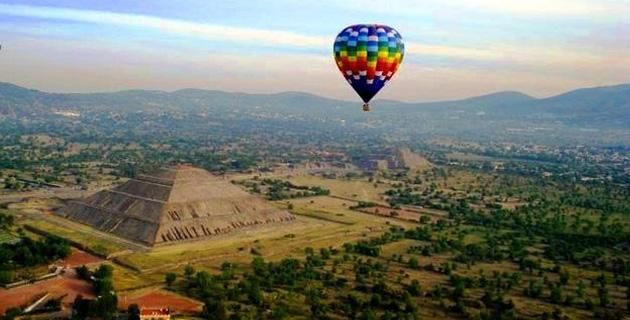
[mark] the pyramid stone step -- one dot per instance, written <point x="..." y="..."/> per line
<point x="173" y="204"/>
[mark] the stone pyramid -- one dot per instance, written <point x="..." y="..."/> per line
<point x="171" y="205"/>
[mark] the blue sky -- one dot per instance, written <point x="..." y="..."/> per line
<point x="455" y="48"/>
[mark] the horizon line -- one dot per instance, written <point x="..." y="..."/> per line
<point x="317" y="95"/>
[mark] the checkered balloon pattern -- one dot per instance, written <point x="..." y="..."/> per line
<point x="368" y="55"/>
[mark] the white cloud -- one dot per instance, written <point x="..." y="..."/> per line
<point x="254" y="36"/>
<point x="96" y="65"/>
<point x="557" y="8"/>
<point x="274" y="38"/>
<point x="208" y="31"/>
<point x="546" y="7"/>
<point x="412" y="48"/>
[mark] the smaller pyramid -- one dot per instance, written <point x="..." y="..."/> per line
<point x="171" y="205"/>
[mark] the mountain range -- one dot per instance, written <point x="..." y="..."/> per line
<point x="601" y="108"/>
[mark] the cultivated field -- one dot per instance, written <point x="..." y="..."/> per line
<point x="80" y="258"/>
<point x="355" y="189"/>
<point x="160" y="299"/>
<point x="68" y="286"/>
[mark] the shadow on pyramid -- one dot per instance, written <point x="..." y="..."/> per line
<point x="172" y="205"/>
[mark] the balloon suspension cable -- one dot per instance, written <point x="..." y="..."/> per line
<point x="366" y="107"/>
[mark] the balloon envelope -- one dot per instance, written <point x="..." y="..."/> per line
<point x="368" y="55"/>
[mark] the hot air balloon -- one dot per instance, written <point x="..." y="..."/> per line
<point x="368" y="55"/>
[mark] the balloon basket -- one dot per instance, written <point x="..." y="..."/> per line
<point x="366" y="107"/>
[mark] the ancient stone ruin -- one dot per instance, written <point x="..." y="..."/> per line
<point x="171" y="205"/>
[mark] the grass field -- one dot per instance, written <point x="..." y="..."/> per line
<point x="77" y="233"/>
<point x="237" y="246"/>
<point x="127" y="280"/>
<point x="356" y="189"/>
<point x="160" y="299"/>
<point x="37" y="205"/>
<point x="7" y="237"/>
<point x="322" y="222"/>
<point x="328" y="221"/>
<point x="315" y="229"/>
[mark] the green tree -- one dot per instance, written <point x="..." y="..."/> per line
<point x="105" y="306"/>
<point x="189" y="271"/>
<point x="413" y="263"/>
<point x="414" y="288"/>
<point x="214" y="310"/>
<point x="581" y="287"/>
<point x="556" y="294"/>
<point x="564" y="276"/>
<point x="104" y="271"/>
<point x="83" y="273"/>
<point x="6" y="276"/>
<point x="170" y="278"/>
<point x="133" y="312"/>
<point x="604" y="298"/>
<point x="11" y="313"/>
<point x="80" y="308"/>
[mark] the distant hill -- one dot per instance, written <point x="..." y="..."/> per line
<point x="498" y="99"/>
<point x="602" y="108"/>
<point x="596" y="104"/>
<point x="590" y="100"/>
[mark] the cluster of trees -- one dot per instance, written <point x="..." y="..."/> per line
<point x="28" y="252"/>
<point x="419" y="233"/>
<point x="429" y="197"/>
<point x="548" y="221"/>
<point x="544" y="222"/>
<point x="6" y="221"/>
<point x="362" y="205"/>
<point x="406" y="196"/>
<point x="280" y="190"/>
<point x="106" y="302"/>
<point x="372" y="246"/>
<point x="598" y="200"/>
<point x="268" y="290"/>
<point x="273" y="290"/>
<point x="12" y="183"/>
